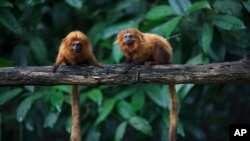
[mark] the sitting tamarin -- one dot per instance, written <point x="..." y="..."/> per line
<point x="147" y="49"/>
<point x="75" y="49"/>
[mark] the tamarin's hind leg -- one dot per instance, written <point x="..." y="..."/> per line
<point x="161" y="56"/>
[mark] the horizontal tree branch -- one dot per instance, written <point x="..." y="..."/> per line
<point x="227" y="72"/>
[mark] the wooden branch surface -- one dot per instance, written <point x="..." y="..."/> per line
<point x="227" y="72"/>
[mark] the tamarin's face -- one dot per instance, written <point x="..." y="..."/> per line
<point x="76" y="46"/>
<point x="128" y="38"/>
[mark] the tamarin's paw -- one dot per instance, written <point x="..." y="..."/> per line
<point x="54" y="68"/>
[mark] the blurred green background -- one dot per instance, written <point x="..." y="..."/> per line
<point x="211" y="31"/>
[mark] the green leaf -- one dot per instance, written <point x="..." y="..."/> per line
<point x="227" y="22"/>
<point x="125" y="93"/>
<point x="230" y="7"/>
<point x="96" y="96"/>
<point x="105" y="111"/>
<point x="198" y="59"/>
<point x="120" y="130"/>
<point x="116" y="53"/>
<point x="93" y="135"/>
<point x="63" y="88"/>
<point x="56" y="100"/>
<point x="125" y="109"/>
<point x="218" y="52"/>
<point x="96" y="32"/>
<point x="198" y="5"/>
<point x="6" y="63"/>
<point x="5" y="3"/>
<point x="34" y="2"/>
<point x="30" y="88"/>
<point x="115" y="29"/>
<point x="51" y="119"/>
<point x="180" y="6"/>
<point x="68" y="124"/>
<point x="8" y="95"/>
<point x="247" y="5"/>
<point x="180" y="129"/>
<point x="167" y="28"/>
<point x="39" y="50"/>
<point x="141" y="125"/>
<point x="138" y="100"/>
<point x="25" y="106"/>
<point x="75" y="3"/>
<point x="10" y="22"/>
<point x="157" y="94"/>
<point x="159" y="12"/>
<point x="185" y="90"/>
<point x="207" y="36"/>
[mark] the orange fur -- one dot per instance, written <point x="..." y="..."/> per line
<point x="147" y="49"/>
<point x="68" y="56"/>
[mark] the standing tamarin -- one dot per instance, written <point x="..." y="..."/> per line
<point x="147" y="49"/>
<point x="75" y="49"/>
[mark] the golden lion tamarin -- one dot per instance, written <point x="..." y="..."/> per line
<point x="147" y="49"/>
<point x="75" y="49"/>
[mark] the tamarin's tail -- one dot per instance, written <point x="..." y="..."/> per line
<point x="75" y="105"/>
<point x="173" y="113"/>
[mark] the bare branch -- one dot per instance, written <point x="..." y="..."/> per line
<point x="227" y="72"/>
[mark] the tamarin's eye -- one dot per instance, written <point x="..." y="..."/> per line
<point x="128" y="36"/>
<point x="76" y="46"/>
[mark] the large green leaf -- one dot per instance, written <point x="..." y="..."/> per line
<point x="138" y="100"/>
<point x="6" y="63"/>
<point x="10" y="22"/>
<point x="96" y="32"/>
<point x="247" y="5"/>
<point x="39" y="50"/>
<point x="5" y="3"/>
<point x="56" y="100"/>
<point x="231" y="7"/>
<point x="8" y="95"/>
<point x="34" y="2"/>
<point x="180" y="6"/>
<point x="114" y="29"/>
<point x="105" y="111"/>
<point x="120" y="130"/>
<point x="207" y="36"/>
<point x="24" y="107"/>
<point x="198" y="59"/>
<point x="159" y="12"/>
<point x="116" y="53"/>
<point x="126" y="92"/>
<point x="141" y="125"/>
<point x="198" y="5"/>
<point x="124" y="109"/>
<point x="75" y="3"/>
<point x="96" y="96"/>
<point x="158" y="94"/>
<point x="227" y="22"/>
<point x="93" y="135"/>
<point x="51" y="119"/>
<point x="168" y="27"/>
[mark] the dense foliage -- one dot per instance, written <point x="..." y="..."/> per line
<point x="206" y="31"/>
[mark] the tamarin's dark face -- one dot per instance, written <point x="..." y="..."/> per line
<point x="76" y="46"/>
<point x="129" y="38"/>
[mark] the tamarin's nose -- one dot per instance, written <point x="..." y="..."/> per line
<point x="128" y="37"/>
